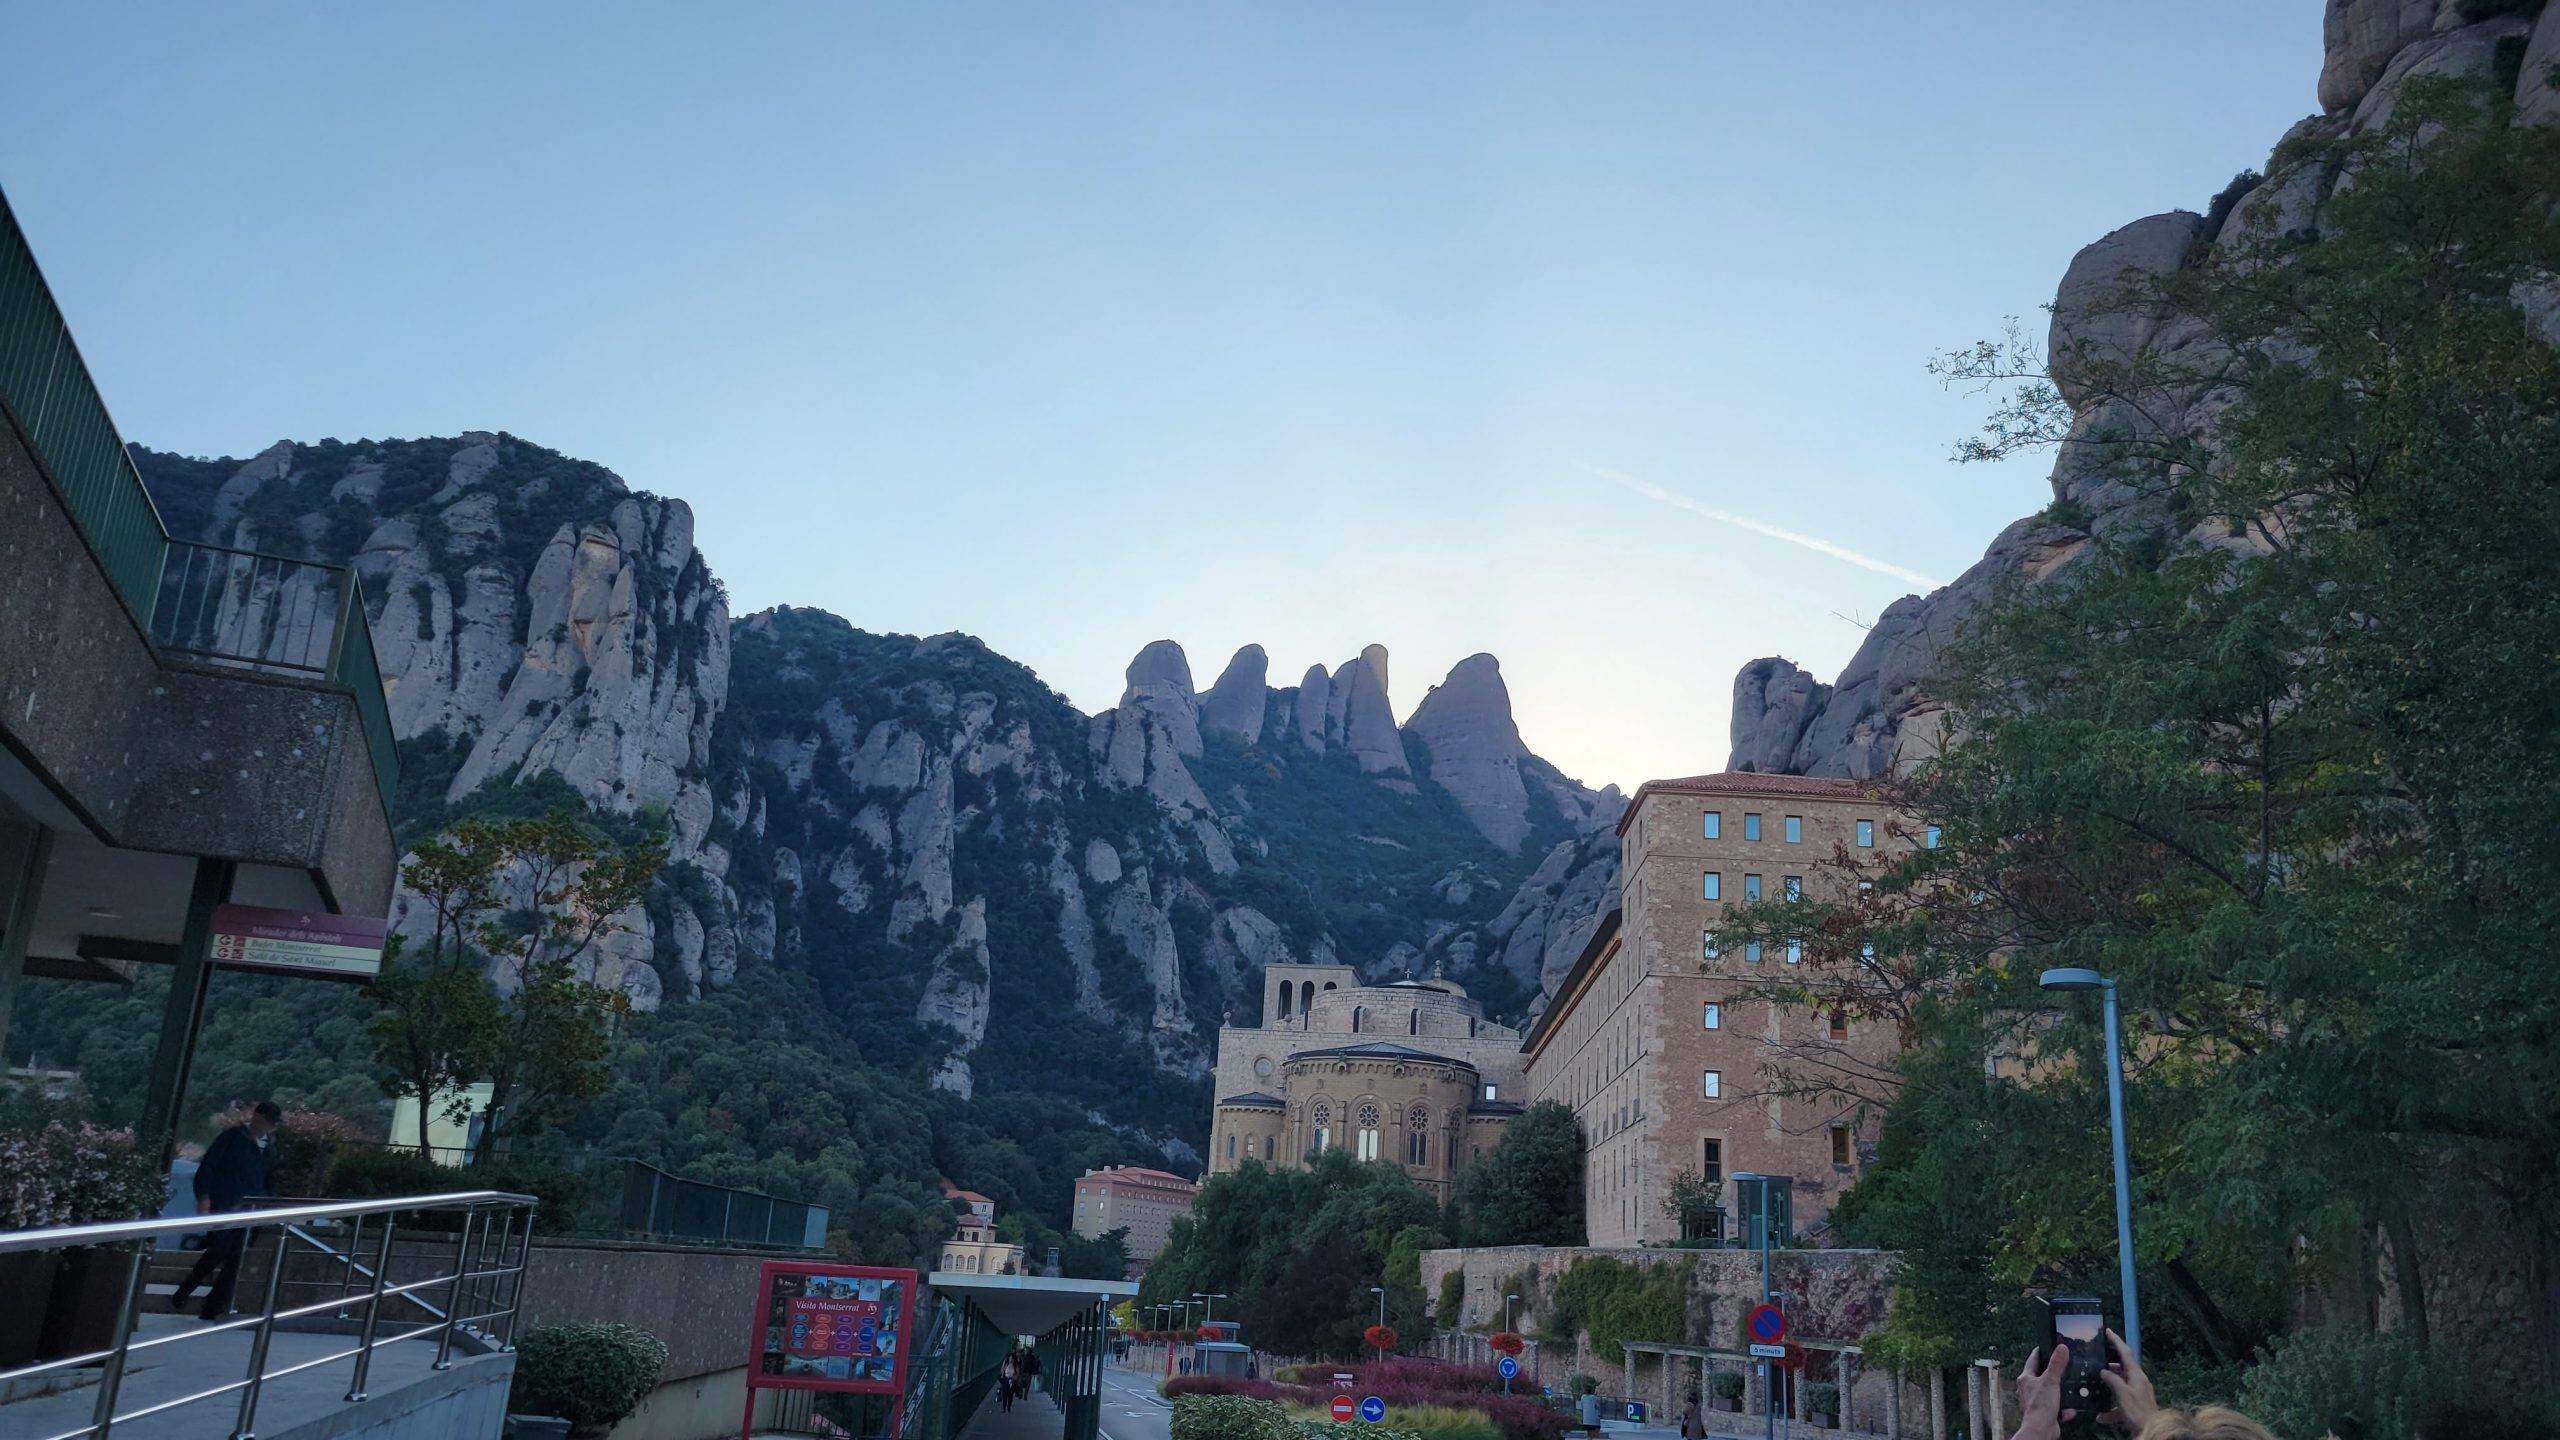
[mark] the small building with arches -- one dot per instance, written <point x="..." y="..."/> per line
<point x="1410" y="1072"/>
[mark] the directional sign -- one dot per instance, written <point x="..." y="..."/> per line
<point x="1509" y="1367"/>
<point x="1343" y="1408"/>
<point x="306" y="942"/>
<point x="1373" y="1409"/>
<point x="1767" y="1324"/>
<point x="1769" y="1352"/>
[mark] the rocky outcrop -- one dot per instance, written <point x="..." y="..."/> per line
<point x="1359" y="719"/>
<point x="956" y="998"/>
<point x="1465" y="724"/>
<point x="1143" y="742"/>
<point x="1235" y="705"/>
<point x="1879" y="714"/>
<point x="1310" y="706"/>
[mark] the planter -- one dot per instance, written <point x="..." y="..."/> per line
<point x="88" y="1295"/>
<point x="1729" y="1407"/>
<point x="1825" y="1422"/>
<point x="29" y="1277"/>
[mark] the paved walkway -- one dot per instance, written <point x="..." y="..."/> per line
<point x="1032" y="1418"/>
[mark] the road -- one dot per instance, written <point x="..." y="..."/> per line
<point x="1131" y="1409"/>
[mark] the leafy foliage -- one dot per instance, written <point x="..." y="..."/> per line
<point x="589" y="1375"/>
<point x="2275" y="754"/>
<point x="75" y="1174"/>
<point x="1609" y="1302"/>
<point x="1528" y="1191"/>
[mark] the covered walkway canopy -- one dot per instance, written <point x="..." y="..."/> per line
<point x="1065" y="1320"/>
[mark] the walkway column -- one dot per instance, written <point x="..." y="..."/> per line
<point x="182" y="1018"/>
<point x="1669" y="1361"/>
<point x="1893" y="1403"/>
<point x="1937" y="1402"/>
<point x="1973" y="1415"/>
<point x="1999" y="1402"/>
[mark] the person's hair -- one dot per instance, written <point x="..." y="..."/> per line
<point x="2210" y="1422"/>
<point x="270" y="1111"/>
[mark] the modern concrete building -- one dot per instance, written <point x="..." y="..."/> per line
<point x="182" y="726"/>
<point x="1145" y="1202"/>
<point x="1409" y="1071"/>
<point x="1662" y="1040"/>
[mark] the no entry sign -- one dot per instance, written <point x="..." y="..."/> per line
<point x="1343" y="1409"/>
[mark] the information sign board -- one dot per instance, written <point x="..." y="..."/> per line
<point x="299" y="942"/>
<point x="830" y="1327"/>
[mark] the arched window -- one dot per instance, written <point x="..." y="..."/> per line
<point x="1307" y="996"/>
<point x="1266" y="1149"/>
<point x="1355" y="1019"/>
<point x="1288" y="992"/>
<point x="1319" y="1128"/>
<point x="1417" y="1144"/>
<point x="1413" y="1022"/>
<point x="1368" y="1130"/>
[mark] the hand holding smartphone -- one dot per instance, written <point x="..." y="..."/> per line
<point x="2077" y="1324"/>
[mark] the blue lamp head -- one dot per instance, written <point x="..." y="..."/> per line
<point x="2073" y="979"/>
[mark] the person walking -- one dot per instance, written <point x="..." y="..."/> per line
<point x="1693" y="1426"/>
<point x="1588" y="1408"/>
<point x="1004" y="1386"/>
<point x="236" y="1166"/>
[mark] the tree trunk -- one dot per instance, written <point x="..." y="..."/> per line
<point x="2404" y="1266"/>
<point x="2208" y="1317"/>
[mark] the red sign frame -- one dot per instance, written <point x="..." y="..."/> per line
<point x="312" y="943"/>
<point x="787" y="1317"/>
<point x="1751" y="1323"/>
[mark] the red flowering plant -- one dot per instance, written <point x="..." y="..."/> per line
<point x="67" y="1174"/>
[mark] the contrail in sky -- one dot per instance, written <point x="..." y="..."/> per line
<point x="1815" y="543"/>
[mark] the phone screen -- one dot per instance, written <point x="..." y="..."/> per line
<point x="2076" y="1326"/>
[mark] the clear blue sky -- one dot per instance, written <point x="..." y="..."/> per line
<point x="1078" y="325"/>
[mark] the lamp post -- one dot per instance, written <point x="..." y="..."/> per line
<point x="1507" y="1302"/>
<point x="1209" y="1304"/>
<point x="1381" y="1292"/>
<point x="2079" y="979"/>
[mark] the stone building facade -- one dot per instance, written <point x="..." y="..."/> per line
<point x="1129" y="1197"/>
<point x="1410" y="1072"/>
<point x="1660" y="1040"/>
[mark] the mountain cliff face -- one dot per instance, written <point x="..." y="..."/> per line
<point x="1878" y="714"/>
<point x="989" y="888"/>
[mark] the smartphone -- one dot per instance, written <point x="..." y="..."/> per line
<point x="2079" y="1322"/>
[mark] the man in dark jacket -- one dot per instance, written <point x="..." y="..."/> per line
<point x="235" y="1166"/>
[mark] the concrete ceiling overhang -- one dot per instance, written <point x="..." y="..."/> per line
<point x="1029" y="1304"/>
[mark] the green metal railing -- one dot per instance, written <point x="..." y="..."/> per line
<point x="260" y="612"/>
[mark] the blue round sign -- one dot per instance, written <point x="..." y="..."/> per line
<point x="1509" y="1367"/>
<point x="1373" y="1409"/>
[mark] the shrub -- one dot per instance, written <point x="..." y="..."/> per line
<point x="1822" y="1398"/>
<point x="307" y="1150"/>
<point x="1580" y="1384"/>
<point x="1453" y="1299"/>
<point x="2341" y="1380"/>
<point x="1725" y="1384"/>
<point x="1181" y="1385"/>
<point x="68" y="1174"/>
<point x="371" y="1173"/>
<point x="560" y="1193"/>
<point x="589" y="1375"/>
<point x="1229" y="1417"/>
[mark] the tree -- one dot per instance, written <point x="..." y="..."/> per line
<point x="1528" y="1191"/>
<point x="2274" y="753"/>
<point x="436" y="1021"/>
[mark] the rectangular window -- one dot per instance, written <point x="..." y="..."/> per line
<point x="1712" y="1018"/>
<point x="1866" y="834"/>
<point x="1795" y="829"/>
<point x="1712" y="885"/>
<point x="1750" y="887"/>
<point x="1839" y="1025"/>
<point x="1751" y="951"/>
<point x="1840" y="1146"/>
<point x="1795" y="952"/>
<point x="1795" y="888"/>
<point x="1711" y="1160"/>
<point x="1711" y="1084"/>
<point x="1489" y="1091"/>
<point x="1931" y="840"/>
<point x="1750" y="826"/>
<point x="1712" y="824"/>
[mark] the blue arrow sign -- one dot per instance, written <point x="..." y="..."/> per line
<point x="1509" y="1367"/>
<point x="1373" y="1409"/>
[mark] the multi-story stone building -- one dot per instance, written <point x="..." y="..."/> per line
<point x="1664" y="1044"/>
<point x="1144" y="1202"/>
<point x="973" y="1248"/>
<point x="1410" y="1072"/>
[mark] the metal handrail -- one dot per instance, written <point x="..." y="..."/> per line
<point x="483" y="1285"/>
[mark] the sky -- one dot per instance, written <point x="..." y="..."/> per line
<point x="1594" y="336"/>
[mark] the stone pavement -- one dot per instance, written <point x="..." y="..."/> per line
<point x="1032" y="1418"/>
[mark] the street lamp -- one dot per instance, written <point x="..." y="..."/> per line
<point x="2076" y="979"/>
<point x="1209" y="1304"/>
<point x="1507" y="1302"/>
<point x="1381" y="1292"/>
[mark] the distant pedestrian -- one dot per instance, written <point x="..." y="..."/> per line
<point x="1588" y="1408"/>
<point x="1693" y="1426"/>
<point x="1004" y="1385"/>
<point x="236" y="1166"/>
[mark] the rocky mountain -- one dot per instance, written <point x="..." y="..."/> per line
<point x="1878" y="714"/>
<point x="990" y="889"/>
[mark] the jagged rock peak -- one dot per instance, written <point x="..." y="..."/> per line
<point x="1466" y="724"/>
<point x="1314" y="705"/>
<point x="1235" y="704"/>
<point x="1160" y="669"/>
<point x="1358" y="716"/>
